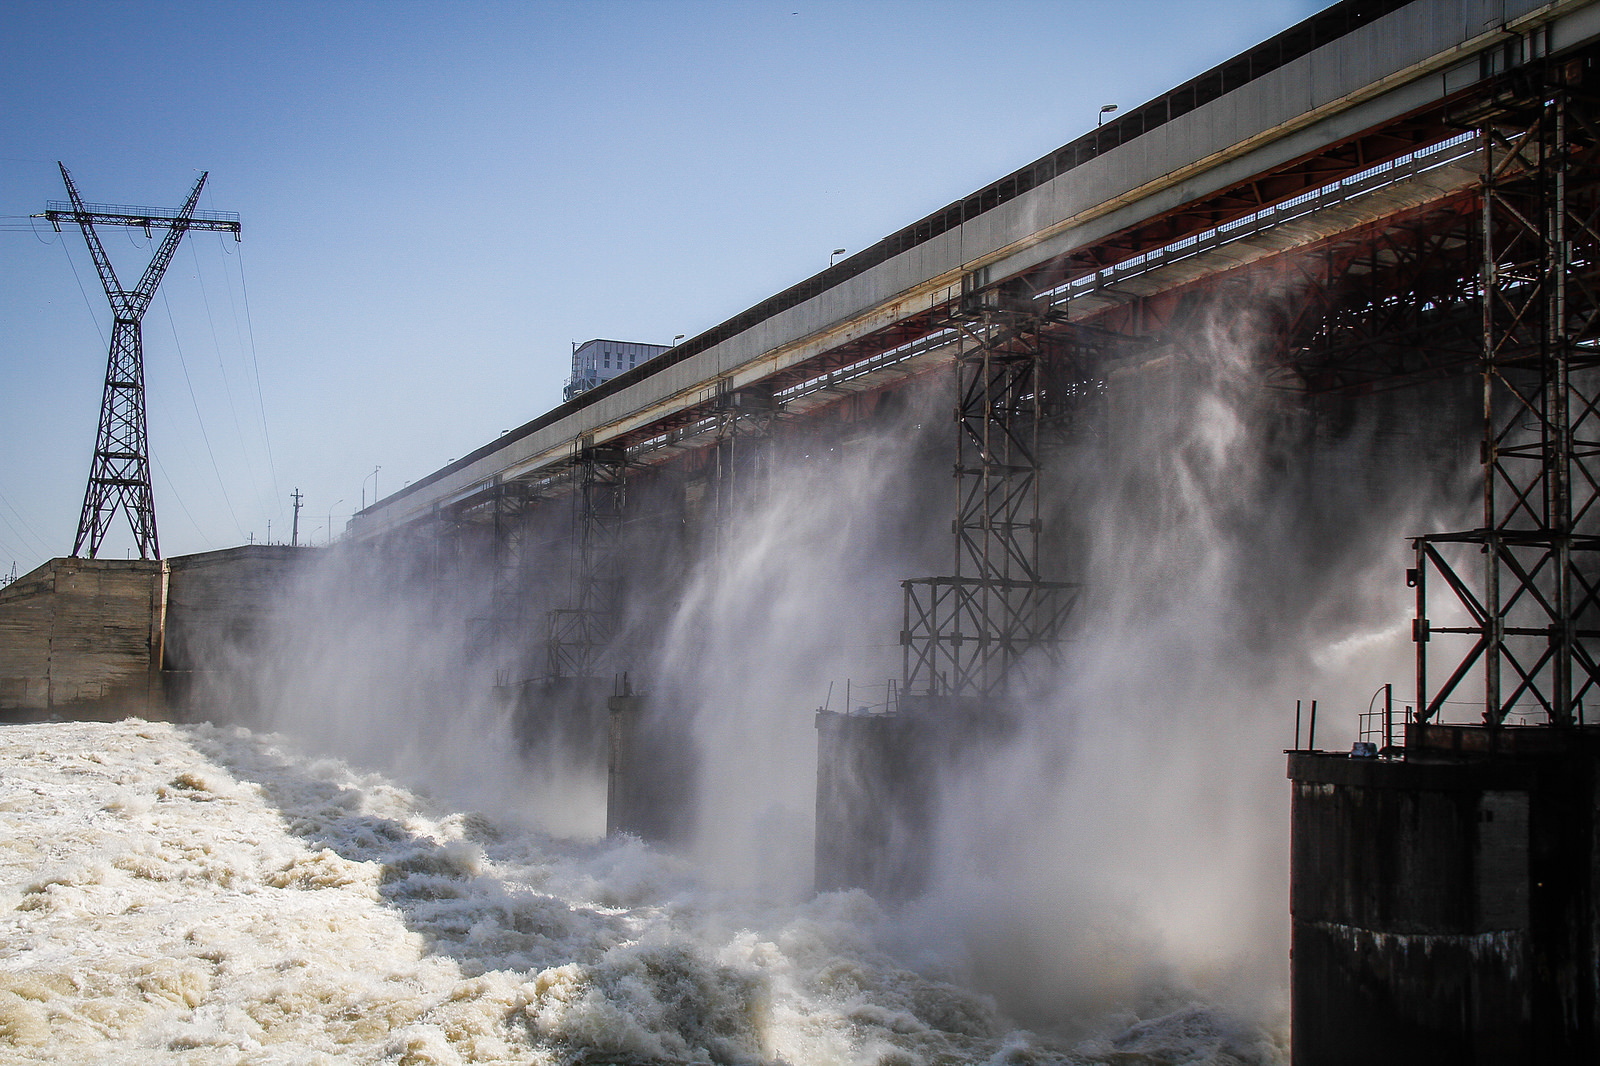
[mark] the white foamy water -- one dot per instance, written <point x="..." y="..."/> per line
<point x="186" y="894"/>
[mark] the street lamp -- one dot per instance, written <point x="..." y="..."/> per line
<point x="1105" y="109"/>
<point x="836" y="252"/>
<point x="374" y="476"/>
<point x="675" y="341"/>
<point x="330" y="517"/>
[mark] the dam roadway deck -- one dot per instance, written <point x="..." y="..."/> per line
<point x="1265" y="153"/>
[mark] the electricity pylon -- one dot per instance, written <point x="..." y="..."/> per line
<point x="120" y="474"/>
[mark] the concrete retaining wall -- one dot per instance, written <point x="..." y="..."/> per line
<point x="111" y="637"/>
<point x="82" y="635"/>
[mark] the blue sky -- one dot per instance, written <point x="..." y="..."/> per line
<point x="438" y="199"/>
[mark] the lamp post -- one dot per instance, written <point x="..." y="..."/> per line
<point x="836" y="252"/>
<point x="675" y="341"/>
<point x="1105" y="109"/>
<point x="374" y="477"/>
<point x="330" y="518"/>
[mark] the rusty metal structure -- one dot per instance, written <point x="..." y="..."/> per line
<point x="970" y="633"/>
<point x="1530" y="625"/>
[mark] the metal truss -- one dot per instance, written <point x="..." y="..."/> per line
<point x="1392" y="303"/>
<point x="1528" y="624"/>
<point x="580" y="638"/>
<point x="505" y="625"/>
<point x="1398" y="303"/>
<point x="967" y="634"/>
<point x="119" y="476"/>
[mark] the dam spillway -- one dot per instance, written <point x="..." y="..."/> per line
<point x="1164" y="402"/>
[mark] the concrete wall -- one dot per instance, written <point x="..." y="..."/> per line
<point x="221" y="600"/>
<point x="108" y="637"/>
<point x="218" y="607"/>
<point x="80" y="636"/>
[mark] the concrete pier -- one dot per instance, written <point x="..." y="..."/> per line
<point x="1445" y="902"/>
<point x="83" y="638"/>
<point x="651" y="771"/>
<point x="879" y="779"/>
<point x="561" y="720"/>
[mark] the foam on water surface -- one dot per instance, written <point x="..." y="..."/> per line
<point x="202" y="896"/>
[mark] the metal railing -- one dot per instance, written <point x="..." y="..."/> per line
<point x="1382" y="176"/>
<point x="154" y="214"/>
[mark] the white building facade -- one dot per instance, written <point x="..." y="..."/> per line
<point x="601" y="360"/>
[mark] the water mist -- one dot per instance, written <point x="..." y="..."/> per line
<point x="805" y="590"/>
<point x="1242" y="549"/>
<point x="371" y="656"/>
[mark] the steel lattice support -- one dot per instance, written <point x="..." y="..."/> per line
<point x="1528" y="624"/>
<point x="509" y="505"/>
<point x="119" y="477"/>
<point x="966" y="634"/>
<point x="580" y="637"/>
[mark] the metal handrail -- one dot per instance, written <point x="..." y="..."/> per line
<point x="154" y="214"/>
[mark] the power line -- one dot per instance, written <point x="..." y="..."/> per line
<point x="86" y="303"/>
<point x="221" y="482"/>
<point x="172" y="487"/>
<point x="40" y="541"/>
<point x="261" y="400"/>
<point x="226" y="388"/>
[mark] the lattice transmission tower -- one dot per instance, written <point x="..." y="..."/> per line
<point x="120" y="474"/>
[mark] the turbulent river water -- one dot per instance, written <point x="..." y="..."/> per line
<point x="190" y="894"/>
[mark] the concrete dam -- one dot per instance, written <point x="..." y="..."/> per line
<point x="1281" y="386"/>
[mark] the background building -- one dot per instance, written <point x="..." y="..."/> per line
<point x="601" y="360"/>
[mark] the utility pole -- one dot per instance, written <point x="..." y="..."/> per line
<point x="120" y="473"/>
<point x="294" y="537"/>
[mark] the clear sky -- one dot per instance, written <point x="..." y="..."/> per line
<point x="439" y="198"/>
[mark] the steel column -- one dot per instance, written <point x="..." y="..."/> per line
<point x="1528" y="628"/>
<point x="966" y="634"/>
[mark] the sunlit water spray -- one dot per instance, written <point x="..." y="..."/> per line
<point x="1130" y="850"/>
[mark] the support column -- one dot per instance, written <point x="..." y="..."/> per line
<point x="968" y="634"/>
<point x="581" y="636"/>
<point x="1526" y="625"/>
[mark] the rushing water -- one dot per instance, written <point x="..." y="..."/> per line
<point x="188" y="894"/>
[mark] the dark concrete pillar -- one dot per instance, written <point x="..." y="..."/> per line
<point x="651" y="780"/>
<point x="1444" y="904"/>
<point x="563" y="721"/>
<point x="879" y="779"/>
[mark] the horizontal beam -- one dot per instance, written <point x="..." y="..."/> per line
<point x="59" y="211"/>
